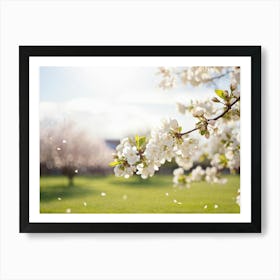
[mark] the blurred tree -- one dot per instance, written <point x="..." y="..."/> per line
<point x="63" y="146"/>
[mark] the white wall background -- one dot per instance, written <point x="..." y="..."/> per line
<point x="139" y="256"/>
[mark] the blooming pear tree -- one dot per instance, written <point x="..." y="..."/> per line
<point x="216" y="121"/>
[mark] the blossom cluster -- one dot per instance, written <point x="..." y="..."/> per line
<point x="235" y="76"/>
<point x="198" y="107"/>
<point x="216" y="119"/>
<point x="210" y="175"/>
<point x="144" y="156"/>
<point x="225" y="104"/>
<point x="226" y="148"/>
<point x="200" y="74"/>
<point x="194" y="76"/>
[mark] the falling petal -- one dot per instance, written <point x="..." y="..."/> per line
<point x="59" y="198"/>
<point x="179" y="203"/>
<point x="103" y="194"/>
<point x="68" y="210"/>
<point x="64" y="141"/>
<point x="216" y="206"/>
<point x="76" y="171"/>
<point x="59" y="149"/>
<point x="205" y="206"/>
<point x="85" y="204"/>
<point x="175" y="201"/>
<point x="167" y="194"/>
<point x="124" y="197"/>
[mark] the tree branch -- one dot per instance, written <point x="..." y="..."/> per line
<point x="228" y="108"/>
<point x="213" y="119"/>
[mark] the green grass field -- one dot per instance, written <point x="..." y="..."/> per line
<point x="118" y="195"/>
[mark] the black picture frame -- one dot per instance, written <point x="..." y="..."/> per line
<point x="25" y="52"/>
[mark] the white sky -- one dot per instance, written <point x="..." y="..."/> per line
<point x="112" y="103"/>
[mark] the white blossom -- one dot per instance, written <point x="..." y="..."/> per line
<point x="210" y="173"/>
<point x="145" y="171"/>
<point x="212" y="122"/>
<point x="178" y="172"/>
<point x="181" y="108"/>
<point x="130" y="153"/>
<point x="236" y="94"/>
<point x="122" y="171"/>
<point x="216" y="162"/>
<point x="168" y="125"/>
<point x="187" y="148"/>
<point x="179" y="178"/>
<point x="167" y="83"/>
<point x="235" y="75"/>
<point x="211" y="176"/>
<point x="185" y="163"/>
<point x="198" y="112"/>
<point x="197" y="173"/>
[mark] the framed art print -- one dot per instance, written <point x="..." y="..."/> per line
<point x="140" y="138"/>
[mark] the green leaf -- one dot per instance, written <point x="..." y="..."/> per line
<point x="223" y="159"/>
<point x="220" y="93"/>
<point x="137" y="141"/>
<point x="114" y="163"/>
<point x="140" y="141"/>
<point x="182" y="179"/>
<point x="203" y="157"/>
